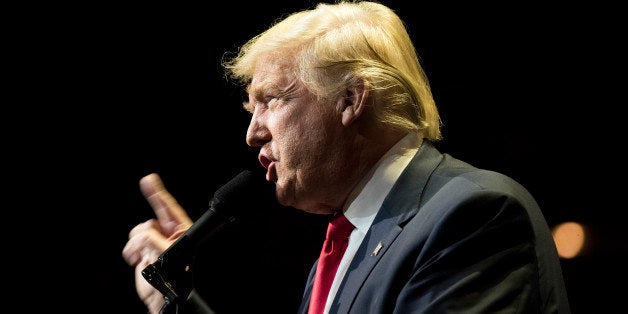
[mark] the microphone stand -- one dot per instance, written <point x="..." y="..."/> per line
<point x="172" y="275"/>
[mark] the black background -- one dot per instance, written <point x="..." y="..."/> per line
<point x="103" y="94"/>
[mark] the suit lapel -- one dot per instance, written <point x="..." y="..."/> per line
<point x="401" y="204"/>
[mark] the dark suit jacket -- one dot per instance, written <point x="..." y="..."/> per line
<point x="456" y="239"/>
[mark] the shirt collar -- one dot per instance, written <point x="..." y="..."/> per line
<point x="366" y="199"/>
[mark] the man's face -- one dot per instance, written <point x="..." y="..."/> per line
<point x="300" y="138"/>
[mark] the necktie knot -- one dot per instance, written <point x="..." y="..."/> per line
<point x="339" y="228"/>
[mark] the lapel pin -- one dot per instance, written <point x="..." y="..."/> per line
<point x="380" y="245"/>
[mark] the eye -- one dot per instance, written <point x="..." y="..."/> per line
<point x="263" y="104"/>
<point x="271" y="101"/>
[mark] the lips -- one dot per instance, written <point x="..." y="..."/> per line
<point x="269" y="164"/>
<point x="265" y="161"/>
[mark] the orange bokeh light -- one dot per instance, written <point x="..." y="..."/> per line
<point x="570" y="239"/>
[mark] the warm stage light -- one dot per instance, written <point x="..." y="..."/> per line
<point x="570" y="239"/>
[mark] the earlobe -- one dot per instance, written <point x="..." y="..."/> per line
<point x="353" y="103"/>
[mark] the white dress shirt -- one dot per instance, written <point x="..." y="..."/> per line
<point x="368" y="196"/>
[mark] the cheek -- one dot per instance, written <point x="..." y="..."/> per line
<point x="304" y="135"/>
<point x="294" y="146"/>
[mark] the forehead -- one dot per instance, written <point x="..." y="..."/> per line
<point x="272" y="71"/>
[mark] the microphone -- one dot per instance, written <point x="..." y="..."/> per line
<point x="227" y="205"/>
<point x="171" y="274"/>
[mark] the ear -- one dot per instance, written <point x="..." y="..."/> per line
<point x="354" y="103"/>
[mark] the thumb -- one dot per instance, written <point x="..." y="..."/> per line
<point x="171" y="216"/>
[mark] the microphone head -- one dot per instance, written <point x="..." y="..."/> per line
<point x="245" y="189"/>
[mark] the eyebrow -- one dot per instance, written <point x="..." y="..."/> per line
<point x="263" y="88"/>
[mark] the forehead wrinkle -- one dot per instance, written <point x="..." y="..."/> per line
<point x="261" y="89"/>
<point x="289" y="89"/>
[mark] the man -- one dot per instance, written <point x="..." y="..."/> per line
<point x="345" y="121"/>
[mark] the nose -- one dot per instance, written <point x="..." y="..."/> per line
<point x="257" y="134"/>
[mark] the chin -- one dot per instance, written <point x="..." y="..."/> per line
<point x="315" y="209"/>
<point x="282" y="196"/>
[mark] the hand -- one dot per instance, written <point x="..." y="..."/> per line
<point x="149" y="239"/>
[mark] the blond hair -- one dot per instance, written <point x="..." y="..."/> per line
<point x="335" y="45"/>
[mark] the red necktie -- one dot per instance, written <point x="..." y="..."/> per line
<point x="336" y="242"/>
